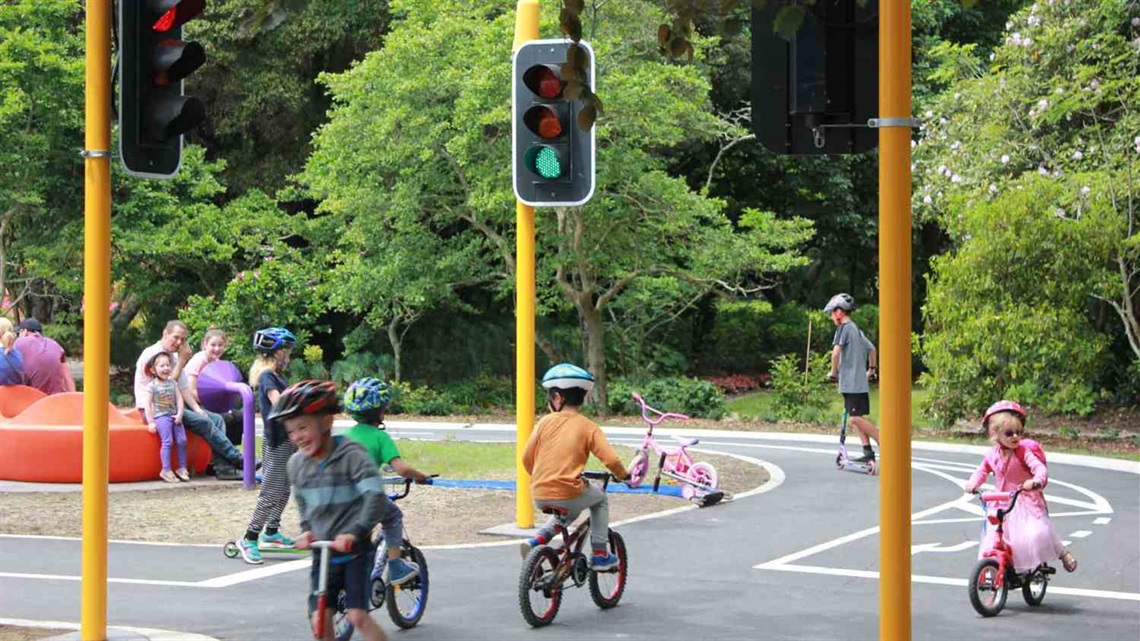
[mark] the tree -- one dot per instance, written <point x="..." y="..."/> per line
<point x="1044" y="135"/>
<point x="419" y="131"/>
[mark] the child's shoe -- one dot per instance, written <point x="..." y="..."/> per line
<point x="277" y="541"/>
<point x="168" y="476"/>
<point x="182" y="474"/>
<point x="604" y="562"/>
<point x="400" y="571"/>
<point x="250" y="553"/>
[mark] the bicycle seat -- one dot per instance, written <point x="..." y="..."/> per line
<point x="554" y="510"/>
<point x="685" y="441"/>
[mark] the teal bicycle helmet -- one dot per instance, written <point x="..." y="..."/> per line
<point x="567" y="376"/>
<point x="271" y="339"/>
<point x="366" y="395"/>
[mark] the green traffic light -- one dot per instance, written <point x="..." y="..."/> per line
<point x="545" y="162"/>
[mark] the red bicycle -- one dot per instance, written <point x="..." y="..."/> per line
<point x="994" y="574"/>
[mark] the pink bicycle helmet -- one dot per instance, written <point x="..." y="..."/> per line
<point x="1002" y="406"/>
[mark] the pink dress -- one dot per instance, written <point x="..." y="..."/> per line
<point x="1027" y="529"/>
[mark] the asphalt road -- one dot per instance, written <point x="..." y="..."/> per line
<point x="796" y="561"/>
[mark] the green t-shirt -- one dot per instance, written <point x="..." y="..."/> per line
<point x="376" y="441"/>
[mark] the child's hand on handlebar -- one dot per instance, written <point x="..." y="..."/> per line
<point x="344" y="542"/>
<point x="304" y="540"/>
<point x="970" y="489"/>
<point x="1029" y="485"/>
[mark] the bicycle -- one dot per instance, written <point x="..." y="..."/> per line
<point x="322" y="588"/>
<point x="994" y="574"/>
<point x="546" y="570"/>
<point x="699" y="480"/>
<point x="406" y="602"/>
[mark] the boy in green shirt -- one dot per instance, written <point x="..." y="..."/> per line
<point x="366" y="400"/>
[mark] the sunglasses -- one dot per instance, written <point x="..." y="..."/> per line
<point x="1012" y="433"/>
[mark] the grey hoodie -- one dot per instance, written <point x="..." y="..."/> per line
<point x="340" y="494"/>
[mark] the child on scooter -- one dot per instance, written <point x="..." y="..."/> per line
<point x="1027" y="528"/>
<point x="339" y="495"/>
<point x="556" y="454"/>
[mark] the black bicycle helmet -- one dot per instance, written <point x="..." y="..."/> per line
<point x="306" y="397"/>
<point x="840" y="301"/>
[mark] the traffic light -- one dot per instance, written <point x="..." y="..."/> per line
<point x="814" y="93"/>
<point x="552" y="128"/>
<point x="153" y="61"/>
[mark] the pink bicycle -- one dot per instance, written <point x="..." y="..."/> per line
<point x="994" y="574"/>
<point x="699" y="480"/>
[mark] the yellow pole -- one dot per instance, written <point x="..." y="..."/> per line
<point x="526" y="28"/>
<point x="96" y="318"/>
<point x="895" y="301"/>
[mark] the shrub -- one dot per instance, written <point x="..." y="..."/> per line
<point x="1109" y="433"/>
<point x="740" y="383"/>
<point x="356" y="366"/>
<point x="480" y="394"/>
<point x="407" y="399"/>
<point x="1068" y="431"/>
<point x="801" y="396"/>
<point x="696" y="398"/>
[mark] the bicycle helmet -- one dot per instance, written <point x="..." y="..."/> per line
<point x="271" y="339"/>
<point x="366" y="395"/>
<point x="1002" y="406"/>
<point x="306" y="397"/>
<point x="840" y="301"/>
<point x="568" y="376"/>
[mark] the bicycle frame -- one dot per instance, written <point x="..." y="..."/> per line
<point x="1000" y="551"/>
<point x="322" y="587"/>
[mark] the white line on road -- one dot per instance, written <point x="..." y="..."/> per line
<point x="245" y="576"/>
<point x="1080" y="534"/>
<point x="64" y="577"/>
<point x="1104" y="520"/>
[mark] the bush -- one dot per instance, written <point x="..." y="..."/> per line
<point x="482" y="394"/>
<point x="801" y="396"/>
<point x="1068" y="431"/>
<point x="407" y="399"/>
<point x="698" y="399"/>
<point x="740" y="383"/>
<point x="359" y="365"/>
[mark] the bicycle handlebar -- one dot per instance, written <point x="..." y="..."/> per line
<point x="395" y="480"/>
<point x="661" y="416"/>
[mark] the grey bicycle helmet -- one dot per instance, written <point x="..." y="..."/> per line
<point x="840" y="301"/>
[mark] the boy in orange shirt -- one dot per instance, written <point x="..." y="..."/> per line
<point x="557" y="453"/>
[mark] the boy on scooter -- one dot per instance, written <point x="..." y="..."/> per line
<point x="557" y="453"/>
<point x="853" y="365"/>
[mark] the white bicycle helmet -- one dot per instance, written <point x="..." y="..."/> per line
<point x="840" y="301"/>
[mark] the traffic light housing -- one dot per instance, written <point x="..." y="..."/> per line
<point x="153" y="61"/>
<point x="552" y="154"/>
<point x="814" y="93"/>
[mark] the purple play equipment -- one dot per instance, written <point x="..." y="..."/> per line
<point x="220" y="385"/>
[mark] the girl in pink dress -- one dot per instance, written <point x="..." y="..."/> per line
<point x="1028" y="529"/>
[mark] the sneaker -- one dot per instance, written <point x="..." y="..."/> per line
<point x="867" y="457"/>
<point x="400" y="571"/>
<point x="227" y="472"/>
<point x="599" y="563"/>
<point x="168" y="476"/>
<point x="182" y="474"/>
<point x="278" y="541"/>
<point x="249" y="551"/>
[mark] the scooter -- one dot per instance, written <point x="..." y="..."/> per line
<point x="843" y="462"/>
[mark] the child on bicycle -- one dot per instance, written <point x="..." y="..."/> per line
<point x="339" y="495"/>
<point x="366" y="400"/>
<point x="556" y="454"/>
<point x="1027" y="528"/>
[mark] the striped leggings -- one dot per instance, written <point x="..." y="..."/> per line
<point x="275" y="487"/>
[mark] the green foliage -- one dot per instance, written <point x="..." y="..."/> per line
<point x="358" y="365"/>
<point x="683" y="395"/>
<point x="481" y="394"/>
<point x="1069" y="432"/>
<point x="424" y="401"/>
<point x="747" y="336"/>
<point x="799" y="395"/>
<point x="1109" y="433"/>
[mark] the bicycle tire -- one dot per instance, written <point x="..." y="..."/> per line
<point x="417" y="587"/>
<point x="540" y="566"/>
<point x="986" y="573"/>
<point x="703" y="473"/>
<point x="1032" y="596"/>
<point x="597" y="592"/>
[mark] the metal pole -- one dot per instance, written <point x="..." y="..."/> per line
<point x="526" y="28"/>
<point x="96" y="318"/>
<point x="895" y="302"/>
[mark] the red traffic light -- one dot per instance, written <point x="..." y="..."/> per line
<point x="544" y="121"/>
<point x="175" y="13"/>
<point x="544" y="80"/>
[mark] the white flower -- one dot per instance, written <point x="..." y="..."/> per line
<point x="1042" y="104"/>
<point x="941" y="169"/>
<point x="956" y="179"/>
<point x="1077" y="155"/>
<point x="1085" y="190"/>
<point x="927" y="199"/>
<point x="1136" y="22"/>
<point x="1070" y="48"/>
<point x="992" y="56"/>
<point x="1015" y="38"/>
<point x="1042" y="170"/>
<point x="928" y="113"/>
<point x="1059" y="212"/>
<point x="1060" y="90"/>
<point x="956" y="144"/>
<point x="1029" y="42"/>
<point x="947" y="173"/>
<point x="1137" y="141"/>
<point x="913" y="144"/>
<point x="1033" y="21"/>
<point x="1005" y="159"/>
<point x="957" y="95"/>
<point x="993" y="189"/>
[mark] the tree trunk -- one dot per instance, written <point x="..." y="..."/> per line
<point x="595" y="351"/>
<point x="396" y="339"/>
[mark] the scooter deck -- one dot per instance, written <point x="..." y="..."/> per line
<point x="862" y="468"/>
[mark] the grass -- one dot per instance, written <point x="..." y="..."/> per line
<point x="759" y="406"/>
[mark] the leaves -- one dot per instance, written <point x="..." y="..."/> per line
<point x="788" y="20"/>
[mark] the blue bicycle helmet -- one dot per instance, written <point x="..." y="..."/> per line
<point x="366" y="395"/>
<point x="271" y="339"/>
<point x="568" y="376"/>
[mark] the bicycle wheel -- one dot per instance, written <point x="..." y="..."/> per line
<point x="702" y="473"/>
<point x="540" y="595"/>
<point x="606" y="588"/>
<point x="985" y="596"/>
<point x="407" y="602"/>
<point x="1033" y="589"/>
<point x="342" y="629"/>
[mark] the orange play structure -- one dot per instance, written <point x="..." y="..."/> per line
<point x="41" y="440"/>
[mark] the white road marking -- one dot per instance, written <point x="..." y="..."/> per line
<point x="939" y="580"/>
<point x="937" y="547"/>
<point x="64" y="577"/>
<point x="1104" y="520"/>
<point x="245" y="576"/>
<point x="149" y="633"/>
<point x="1080" y="534"/>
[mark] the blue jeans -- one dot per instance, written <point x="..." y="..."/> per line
<point x="212" y="428"/>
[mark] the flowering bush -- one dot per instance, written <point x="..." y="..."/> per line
<point x="740" y="383"/>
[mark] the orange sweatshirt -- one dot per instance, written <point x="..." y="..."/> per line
<point x="557" y="452"/>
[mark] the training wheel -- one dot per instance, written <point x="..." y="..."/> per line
<point x="230" y="549"/>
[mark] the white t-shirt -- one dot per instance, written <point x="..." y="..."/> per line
<point x="195" y="365"/>
<point x="142" y="380"/>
